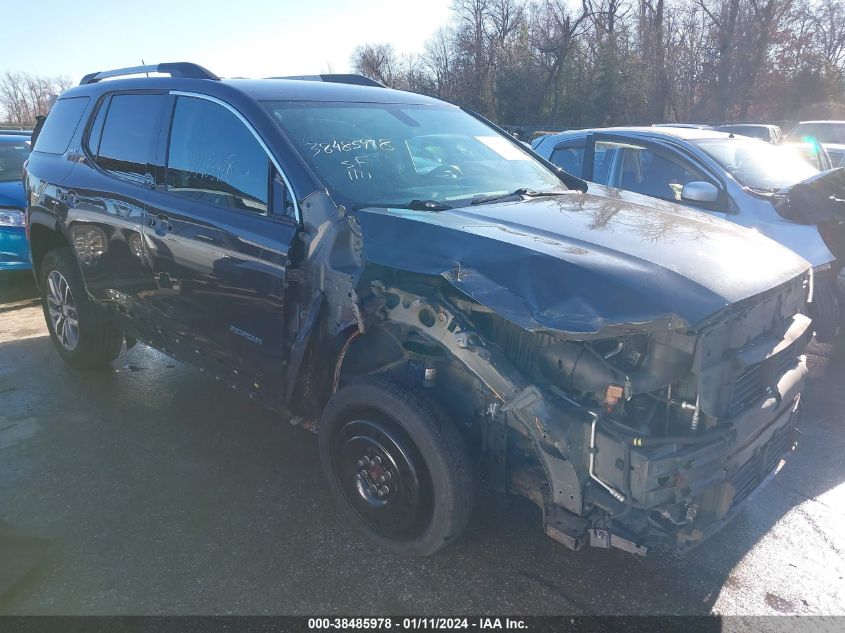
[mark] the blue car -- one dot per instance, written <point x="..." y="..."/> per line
<point x="14" y="249"/>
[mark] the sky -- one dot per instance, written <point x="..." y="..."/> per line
<point x="236" y="38"/>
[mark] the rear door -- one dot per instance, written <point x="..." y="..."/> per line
<point x="106" y="205"/>
<point x="645" y="167"/>
<point x="219" y="228"/>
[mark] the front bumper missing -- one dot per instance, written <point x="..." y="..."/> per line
<point x="682" y="495"/>
<point x="677" y="494"/>
<point x="719" y="504"/>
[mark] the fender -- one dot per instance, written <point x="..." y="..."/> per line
<point x="48" y="221"/>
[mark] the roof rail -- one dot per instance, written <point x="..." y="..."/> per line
<point x="185" y="70"/>
<point x="357" y="80"/>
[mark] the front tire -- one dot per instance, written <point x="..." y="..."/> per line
<point x="81" y="332"/>
<point x="396" y="465"/>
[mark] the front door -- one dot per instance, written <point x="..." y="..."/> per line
<point x="219" y="246"/>
<point x="647" y="168"/>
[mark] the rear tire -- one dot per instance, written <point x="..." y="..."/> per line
<point x="80" y="329"/>
<point x="396" y="465"/>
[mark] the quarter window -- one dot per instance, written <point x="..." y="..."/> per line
<point x="570" y="159"/>
<point x="93" y="143"/>
<point x="60" y="125"/>
<point x="128" y="135"/>
<point x="213" y="158"/>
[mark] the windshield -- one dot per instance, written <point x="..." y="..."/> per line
<point x="392" y="154"/>
<point x="756" y="164"/>
<point x="12" y="157"/>
<point x="818" y="133"/>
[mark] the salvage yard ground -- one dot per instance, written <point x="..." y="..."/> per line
<point x="152" y="489"/>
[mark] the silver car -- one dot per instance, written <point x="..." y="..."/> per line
<point x="829" y="134"/>
<point x="763" y="131"/>
<point x="770" y="189"/>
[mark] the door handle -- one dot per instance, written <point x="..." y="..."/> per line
<point x="161" y="225"/>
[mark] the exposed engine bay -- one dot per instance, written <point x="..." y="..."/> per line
<point x="636" y="405"/>
<point x="630" y="441"/>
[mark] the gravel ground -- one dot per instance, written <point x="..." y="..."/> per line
<point x="151" y="490"/>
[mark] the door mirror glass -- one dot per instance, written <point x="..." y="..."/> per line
<point x="699" y="192"/>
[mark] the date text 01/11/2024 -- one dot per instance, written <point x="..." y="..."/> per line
<point x="429" y="623"/>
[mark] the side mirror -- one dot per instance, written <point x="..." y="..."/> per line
<point x="699" y="192"/>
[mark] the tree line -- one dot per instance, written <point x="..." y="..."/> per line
<point x="24" y="96"/>
<point x="579" y="63"/>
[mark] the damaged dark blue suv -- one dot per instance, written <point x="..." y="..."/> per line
<point x="441" y="305"/>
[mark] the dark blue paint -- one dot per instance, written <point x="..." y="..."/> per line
<point x="580" y="262"/>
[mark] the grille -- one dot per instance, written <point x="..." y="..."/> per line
<point x="778" y="445"/>
<point x="751" y="385"/>
<point x="786" y="361"/>
<point x="745" y="480"/>
<point x="755" y="470"/>
<point x="747" y="389"/>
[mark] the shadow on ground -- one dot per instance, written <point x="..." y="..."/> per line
<point x="16" y="286"/>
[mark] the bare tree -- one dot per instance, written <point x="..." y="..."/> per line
<point x="439" y="60"/>
<point x="605" y="62"/>
<point x="554" y="29"/>
<point x="473" y="26"/>
<point x="379" y="62"/>
<point x="829" y="17"/>
<point x="24" y="96"/>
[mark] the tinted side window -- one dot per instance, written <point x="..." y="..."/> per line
<point x="213" y="158"/>
<point x="96" y="133"/>
<point x="664" y="176"/>
<point x="644" y="171"/>
<point x="54" y="137"/>
<point x="569" y="159"/>
<point x="128" y="136"/>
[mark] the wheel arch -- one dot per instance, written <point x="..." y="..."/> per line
<point x="45" y="235"/>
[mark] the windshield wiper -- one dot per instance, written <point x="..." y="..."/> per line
<point x="415" y="205"/>
<point x="521" y="192"/>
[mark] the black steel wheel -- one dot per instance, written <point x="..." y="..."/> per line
<point x="396" y="465"/>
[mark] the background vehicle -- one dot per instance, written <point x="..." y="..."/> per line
<point x="829" y="134"/>
<point x="739" y="179"/>
<point x="14" y="249"/>
<point x="764" y="132"/>
<point x="819" y="131"/>
<point x="430" y="295"/>
<point x="685" y="126"/>
<point x="813" y="154"/>
<point x="836" y="153"/>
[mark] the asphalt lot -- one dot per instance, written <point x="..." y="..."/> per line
<point x="153" y="490"/>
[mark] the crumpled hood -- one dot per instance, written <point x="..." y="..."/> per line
<point x="11" y="194"/>
<point x="579" y="263"/>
